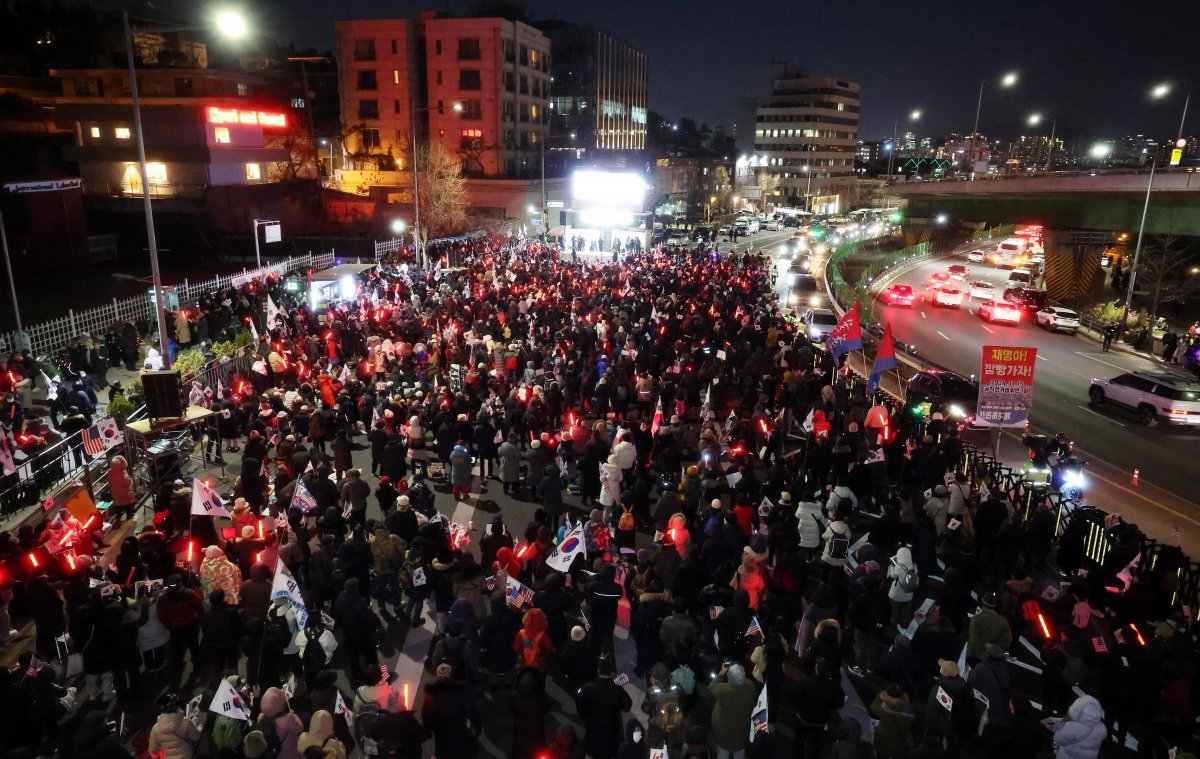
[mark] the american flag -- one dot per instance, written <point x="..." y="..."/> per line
<point x="35" y="666"/>
<point x="100" y="437"/>
<point x="583" y="620"/>
<point x="383" y="674"/>
<point x="715" y="611"/>
<point x="518" y="594"/>
<point x="621" y="679"/>
<point x="1099" y="644"/>
<point x="754" y="628"/>
<point x="758" y="718"/>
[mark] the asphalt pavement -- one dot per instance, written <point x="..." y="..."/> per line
<point x="1112" y="441"/>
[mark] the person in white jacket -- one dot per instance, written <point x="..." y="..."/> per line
<point x="809" y="516"/>
<point x="626" y="453"/>
<point x="960" y="492"/>
<point x="937" y="507"/>
<point x="837" y="542"/>
<point x="837" y="495"/>
<point x="903" y="575"/>
<point x="610" y="494"/>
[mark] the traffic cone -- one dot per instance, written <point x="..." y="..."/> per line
<point x="1136" y="472"/>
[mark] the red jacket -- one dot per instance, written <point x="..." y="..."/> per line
<point x="533" y="642"/>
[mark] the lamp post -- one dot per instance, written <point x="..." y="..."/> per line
<point x="330" y="144"/>
<point x="807" y="169"/>
<point x="231" y="25"/>
<point x="1034" y="120"/>
<point x="914" y="116"/>
<point x="260" y="223"/>
<point x="1006" y="81"/>
<point x="12" y="286"/>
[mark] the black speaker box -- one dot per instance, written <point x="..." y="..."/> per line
<point x="162" y="394"/>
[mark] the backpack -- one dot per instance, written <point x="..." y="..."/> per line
<point x="908" y="581"/>
<point x="668" y="709"/>
<point x="278" y="633"/>
<point x="839" y="547"/>
<point x="627" y="522"/>
<point x="843" y="506"/>
<point x="227" y="732"/>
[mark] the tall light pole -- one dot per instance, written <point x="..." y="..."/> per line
<point x="914" y="116"/>
<point x="1006" y="81"/>
<point x="231" y="25"/>
<point x="1034" y="120"/>
<point x="807" y="169"/>
<point x="12" y="286"/>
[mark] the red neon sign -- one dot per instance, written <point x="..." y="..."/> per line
<point x="218" y="115"/>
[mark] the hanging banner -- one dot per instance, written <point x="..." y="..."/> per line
<point x="1005" y="386"/>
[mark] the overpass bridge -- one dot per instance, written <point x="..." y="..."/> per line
<point x="1101" y="202"/>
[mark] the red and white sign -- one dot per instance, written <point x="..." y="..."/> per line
<point x="218" y="115"/>
<point x="1005" y="386"/>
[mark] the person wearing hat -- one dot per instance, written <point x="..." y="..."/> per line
<point x="217" y="572"/>
<point x="460" y="471"/>
<point x="254" y="745"/>
<point x="242" y="516"/>
<point x="990" y="677"/>
<point x="949" y="731"/>
<point x="175" y="734"/>
<point x="988" y="628"/>
<point x="449" y="712"/>
<point x="893" y="733"/>
<point x="276" y="712"/>
<point x="734" y="696"/>
<point x="320" y="736"/>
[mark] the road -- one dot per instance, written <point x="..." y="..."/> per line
<point x="1112" y="441"/>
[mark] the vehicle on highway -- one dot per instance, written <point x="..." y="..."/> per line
<point x="1011" y="252"/>
<point x="796" y="271"/>
<point x="948" y="296"/>
<point x="741" y="229"/>
<point x="774" y="225"/>
<point x="938" y="277"/>
<point x="1027" y="298"/>
<point x="959" y="272"/>
<point x="1058" y="319"/>
<point x="898" y="295"/>
<point x="935" y="391"/>
<point x="982" y="291"/>
<point x="818" y="323"/>
<point x="995" y="311"/>
<point x="803" y="292"/>
<point x="725" y="230"/>
<point x="752" y="223"/>
<point x="976" y="256"/>
<point x="1153" y="396"/>
<point x="1019" y="278"/>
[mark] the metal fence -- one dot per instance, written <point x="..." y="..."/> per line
<point x="46" y="337"/>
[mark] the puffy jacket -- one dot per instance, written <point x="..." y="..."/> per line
<point x="287" y="725"/>
<point x="836" y="529"/>
<point x="120" y="485"/>
<point x="986" y="627"/>
<point x="893" y="734"/>
<point x="938" y="508"/>
<point x="809" y="515"/>
<point x="626" y="453"/>
<point x="174" y="737"/>
<point x="903" y="565"/>
<point x="320" y="734"/>
<point x="533" y="642"/>
<point x="1080" y="737"/>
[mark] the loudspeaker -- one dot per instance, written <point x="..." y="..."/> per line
<point x="162" y="394"/>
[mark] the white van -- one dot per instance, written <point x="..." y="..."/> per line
<point x="1011" y="252"/>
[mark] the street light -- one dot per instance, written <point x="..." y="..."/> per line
<point x="1161" y="91"/>
<point x="914" y="116"/>
<point x="1006" y="81"/>
<point x="808" y="184"/>
<point x="1034" y="120"/>
<point x="229" y="26"/>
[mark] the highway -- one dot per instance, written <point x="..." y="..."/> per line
<point x="1112" y="441"/>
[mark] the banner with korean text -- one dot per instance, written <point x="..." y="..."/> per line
<point x="1005" y="386"/>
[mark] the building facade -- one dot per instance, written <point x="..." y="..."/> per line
<point x="807" y="129"/>
<point x="378" y="82"/>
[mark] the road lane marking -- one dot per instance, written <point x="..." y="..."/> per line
<point x="1102" y="416"/>
<point x="1043" y="358"/>
<point x="1102" y="361"/>
<point x="989" y="329"/>
<point x="942" y="334"/>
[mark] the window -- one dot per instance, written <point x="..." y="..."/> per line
<point x="472" y="138"/>
<point x="510" y="110"/>
<point x="510" y="139"/>
<point x="510" y="81"/>
<point x="242" y="89"/>
<point x="437" y="47"/>
<point x="524" y="55"/>
<point x="468" y="79"/>
<point x="221" y="135"/>
<point x="394" y="47"/>
<point x="468" y="49"/>
<point x="510" y="55"/>
<point x="395" y="106"/>
<point x="395" y="76"/>
<point x="370" y="138"/>
<point x="122" y="133"/>
<point x="368" y="109"/>
<point x="524" y="140"/>
<point x="95" y="132"/>
<point x="156" y="172"/>
<point x="524" y="85"/>
<point x="364" y="50"/>
<point x="299" y="104"/>
<point x="524" y="113"/>
<point x="253" y="172"/>
<point x="533" y="58"/>
<point x="367" y="80"/>
<point x="472" y="109"/>
<point x="533" y="112"/>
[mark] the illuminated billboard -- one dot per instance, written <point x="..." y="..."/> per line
<point x="614" y="190"/>
<point x="218" y="115"/>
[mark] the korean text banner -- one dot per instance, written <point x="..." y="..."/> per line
<point x="1005" y="386"/>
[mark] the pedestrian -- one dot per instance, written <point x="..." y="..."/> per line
<point x="893" y="734"/>
<point x="460" y="471"/>
<point x="600" y="705"/>
<point x="1082" y="732"/>
<point x="175" y="734"/>
<point x="449" y="711"/>
<point x="734" y="697"/>
<point x="904" y="578"/>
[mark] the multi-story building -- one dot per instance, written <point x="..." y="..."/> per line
<point x="867" y="157"/>
<point x="807" y="128"/>
<point x="1035" y="153"/>
<point x="598" y="92"/>
<point x="488" y="81"/>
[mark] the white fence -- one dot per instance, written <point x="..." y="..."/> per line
<point x="46" y="337"/>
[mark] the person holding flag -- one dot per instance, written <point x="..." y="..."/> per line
<point x="885" y="359"/>
<point x="846" y="336"/>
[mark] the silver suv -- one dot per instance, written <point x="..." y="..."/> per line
<point x="1152" y="396"/>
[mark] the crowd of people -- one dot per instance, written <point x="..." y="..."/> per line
<point x="777" y="537"/>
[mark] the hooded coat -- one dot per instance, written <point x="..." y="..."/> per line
<point x="1081" y="736"/>
<point x="255" y="593"/>
<point x="533" y="644"/>
<point x="174" y="736"/>
<point x="320" y="734"/>
<point x="510" y="462"/>
<point x="120" y="484"/>
<point x="287" y="725"/>
<point x="904" y="564"/>
<point x="809" y="515"/>
<point x="600" y="704"/>
<point x="460" y="467"/>
<point x="893" y="734"/>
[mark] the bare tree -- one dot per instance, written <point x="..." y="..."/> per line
<point x="443" y="192"/>
<point x="1165" y="271"/>
<point x="301" y="160"/>
<point x="768" y="184"/>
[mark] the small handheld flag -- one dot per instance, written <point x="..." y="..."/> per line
<point x="229" y="702"/>
<point x="206" y="502"/>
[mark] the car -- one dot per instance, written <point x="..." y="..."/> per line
<point x="1020" y="278"/>
<point x="773" y="225"/>
<point x="1058" y="319"/>
<point x="998" y="311"/>
<point x="959" y="272"/>
<point x="741" y="229"/>
<point x="753" y="224"/>
<point x="983" y="291"/>
<point x="898" y="295"/>
<point x="803" y="292"/>
<point x="818" y="323"/>
<point x="798" y="269"/>
<point x="725" y="230"/>
<point x="938" y="277"/>
<point x="933" y="391"/>
<point x="976" y="256"/>
<point x="1153" y="396"/>
<point x="677" y="238"/>
<point x="1025" y="297"/>
<point x="948" y="297"/>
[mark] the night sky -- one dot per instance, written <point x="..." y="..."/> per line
<point x="1088" y="63"/>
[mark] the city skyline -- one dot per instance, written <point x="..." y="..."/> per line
<point x="1086" y="70"/>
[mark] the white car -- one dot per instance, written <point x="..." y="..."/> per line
<point x="1152" y="396"/>
<point x="1058" y="319"/>
<point x="818" y="323"/>
<point x="677" y="238"/>
<point x="976" y="256"/>
<point x="983" y="291"/>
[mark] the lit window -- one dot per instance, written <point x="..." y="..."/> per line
<point x="253" y="171"/>
<point x="395" y="76"/>
<point x="242" y="89"/>
<point x="221" y="135"/>
<point x="533" y="111"/>
<point x="122" y="133"/>
<point x="96" y="132"/>
<point x="156" y="173"/>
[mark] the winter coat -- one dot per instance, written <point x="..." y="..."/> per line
<point x="510" y="462"/>
<point x="287" y="724"/>
<point x="986" y="627"/>
<point x="120" y="484"/>
<point x="460" y="467"/>
<point x="600" y="704"/>
<point x="990" y="677"/>
<point x="893" y="734"/>
<point x="612" y="494"/>
<point x="320" y="734"/>
<point x="836" y="529"/>
<point x="626" y="453"/>
<point x="1081" y="736"/>
<point x="551" y="487"/>
<point x="809" y="514"/>
<point x="533" y="644"/>
<point x="938" y="509"/>
<point x="255" y="593"/>
<point x="220" y="573"/>
<point x="904" y="564"/>
<point x="733" y="705"/>
<point x="174" y="737"/>
<point x="444" y="712"/>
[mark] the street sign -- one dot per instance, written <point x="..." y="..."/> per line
<point x="1176" y="156"/>
<point x="554" y="204"/>
<point x="1005" y="386"/>
<point x="272" y="232"/>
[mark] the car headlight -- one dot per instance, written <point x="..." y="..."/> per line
<point x="1074" y="479"/>
<point x="957" y="410"/>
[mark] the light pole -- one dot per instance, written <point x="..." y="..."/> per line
<point x="1034" y="120"/>
<point x="231" y="25"/>
<point x="914" y="116"/>
<point x="398" y="227"/>
<point x="260" y="223"/>
<point x="1006" y="81"/>
<point x="12" y="286"/>
<point x="808" y="187"/>
<point x="330" y="144"/>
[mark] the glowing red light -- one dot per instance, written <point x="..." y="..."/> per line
<point x="33" y="560"/>
<point x="1138" y="633"/>
<point x="1045" y="627"/>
